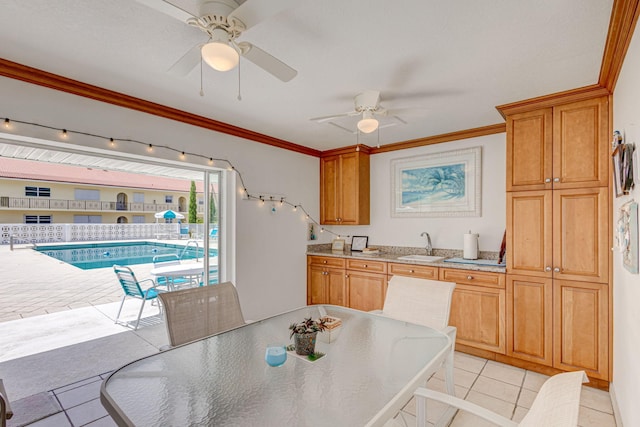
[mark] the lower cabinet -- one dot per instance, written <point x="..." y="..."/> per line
<point x="529" y="318"/>
<point x="478" y="308"/>
<point x="326" y="286"/>
<point x="580" y="331"/>
<point x="366" y="290"/>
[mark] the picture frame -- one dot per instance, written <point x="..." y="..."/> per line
<point x="358" y="243"/>
<point x="445" y="184"/>
<point x="337" y="245"/>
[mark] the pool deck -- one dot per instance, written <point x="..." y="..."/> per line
<point x="34" y="284"/>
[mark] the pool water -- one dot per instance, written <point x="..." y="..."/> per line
<point x="88" y="256"/>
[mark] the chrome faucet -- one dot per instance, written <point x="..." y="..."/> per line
<point x="429" y="247"/>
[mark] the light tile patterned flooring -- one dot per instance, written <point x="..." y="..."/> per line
<point x="501" y="388"/>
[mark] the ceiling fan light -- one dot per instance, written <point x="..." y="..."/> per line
<point x="220" y="56"/>
<point x="368" y="124"/>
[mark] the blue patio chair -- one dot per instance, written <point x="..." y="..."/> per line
<point x="131" y="287"/>
<point x="214" y="232"/>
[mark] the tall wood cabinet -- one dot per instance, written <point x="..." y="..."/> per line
<point x="344" y="189"/>
<point x="558" y="236"/>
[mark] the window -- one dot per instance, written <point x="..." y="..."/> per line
<point x="37" y="219"/>
<point x="138" y="219"/>
<point x="168" y="199"/>
<point x="138" y="197"/>
<point x="84" y="194"/>
<point x="87" y="219"/>
<point x="37" y="191"/>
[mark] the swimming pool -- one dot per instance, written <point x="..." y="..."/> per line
<point x="88" y="256"/>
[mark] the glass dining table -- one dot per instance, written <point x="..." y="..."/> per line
<point x="365" y="377"/>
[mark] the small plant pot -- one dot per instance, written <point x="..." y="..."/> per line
<point x="305" y="343"/>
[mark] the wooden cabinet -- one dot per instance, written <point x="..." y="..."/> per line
<point x="366" y="290"/>
<point x="326" y="281"/>
<point x="529" y="319"/>
<point x="558" y="217"/>
<point x="419" y="271"/>
<point x="561" y="234"/>
<point x="581" y="327"/>
<point x="478" y="308"/>
<point x="344" y="189"/>
<point x="561" y="147"/>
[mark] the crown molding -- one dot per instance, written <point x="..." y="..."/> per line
<point x="624" y="16"/>
<point x="53" y="81"/>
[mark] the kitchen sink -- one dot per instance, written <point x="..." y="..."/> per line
<point x="423" y="258"/>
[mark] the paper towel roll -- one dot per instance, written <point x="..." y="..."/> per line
<point x="470" y="249"/>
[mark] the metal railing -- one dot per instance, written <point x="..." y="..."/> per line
<point x="40" y="203"/>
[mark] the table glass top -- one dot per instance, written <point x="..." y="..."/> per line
<point x="224" y="380"/>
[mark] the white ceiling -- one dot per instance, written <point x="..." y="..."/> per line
<point x="456" y="60"/>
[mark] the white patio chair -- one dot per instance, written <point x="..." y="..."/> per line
<point x="131" y="287"/>
<point x="200" y="312"/>
<point x="424" y="302"/>
<point x="556" y="405"/>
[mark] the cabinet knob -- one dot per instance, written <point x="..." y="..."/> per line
<point x="556" y="179"/>
<point x="547" y="269"/>
<point x="469" y="277"/>
<point x="557" y="270"/>
<point x="324" y="262"/>
<point x="365" y="266"/>
<point x="547" y="180"/>
<point x="410" y="271"/>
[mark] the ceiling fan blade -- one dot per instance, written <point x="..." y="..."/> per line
<point x="410" y="111"/>
<point x="334" y="116"/>
<point x="252" y="12"/>
<point x="267" y="62"/>
<point x="174" y="9"/>
<point x="188" y="62"/>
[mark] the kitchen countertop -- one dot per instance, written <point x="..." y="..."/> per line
<point x="392" y="257"/>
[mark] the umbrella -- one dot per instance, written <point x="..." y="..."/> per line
<point x="168" y="215"/>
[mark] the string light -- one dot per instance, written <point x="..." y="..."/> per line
<point x="182" y="156"/>
<point x="182" y="153"/>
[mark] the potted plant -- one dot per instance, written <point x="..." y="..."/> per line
<point x="304" y="334"/>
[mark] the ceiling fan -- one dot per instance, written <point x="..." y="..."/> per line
<point x="371" y="113"/>
<point x="224" y="21"/>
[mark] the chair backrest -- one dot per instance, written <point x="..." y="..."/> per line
<point x="196" y="313"/>
<point x="166" y="259"/>
<point x="128" y="281"/>
<point x="421" y="301"/>
<point x="558" y="402"/>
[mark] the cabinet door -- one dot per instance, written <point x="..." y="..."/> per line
<point x="529" y="150"/>
<point x="336" y="287"/>
<point x="581" y="144"/>
<point x="366" y="290"/>
<point x="329" y="189"/>
<point x="479" y="315"/>
<point x="580" y="234"/>
<point x="316" y="285"/>
<point x="354" y="189"/>
<point x="529" y="319"/>
<point x="529" y="233"/>
<point x="581" y="327"/>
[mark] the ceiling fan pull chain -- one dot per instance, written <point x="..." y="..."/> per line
<point x="239" y="96"/>
<point x="201" y="86"/>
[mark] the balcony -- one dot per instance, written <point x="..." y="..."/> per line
<point x="40" y="203"/>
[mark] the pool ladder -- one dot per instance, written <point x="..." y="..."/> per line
<point x="186" y="247"/>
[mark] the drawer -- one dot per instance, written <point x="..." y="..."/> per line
<point x="367" y="265"/>
<point x="326" y="261"/>
<point x="420" y="271"/>
<point x="471" y="277"/>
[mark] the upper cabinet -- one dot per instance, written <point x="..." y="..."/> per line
<point x="344" y="189"/>
<point x="564" y="146"/>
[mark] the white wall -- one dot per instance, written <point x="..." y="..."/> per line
<point x="446" y="233"/>
<point x="626" y="286"/>
<point x="270" y="251"/>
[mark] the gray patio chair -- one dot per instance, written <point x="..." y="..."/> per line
<point x="131" y="287"/>
<point x="200" y="312"/>
<point x="5" y="408"/>
<point x="556" y="405"/>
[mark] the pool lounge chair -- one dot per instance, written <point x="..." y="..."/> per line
<point x="131" y="287"/>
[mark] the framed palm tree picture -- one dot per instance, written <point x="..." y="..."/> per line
<point x="445" y="184"/>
